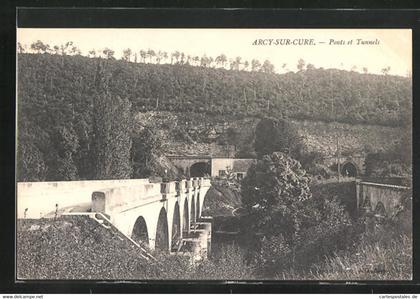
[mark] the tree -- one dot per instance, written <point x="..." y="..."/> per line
<point x="275" y="192"/>
<point x="92" y="53"/>
<point x="176" y="55"/>
<point x="182" y="58"/>
<point x="66" y="145"/>
<point x="65" y="48"/>
<point x="147" y="147"/>
<point x="151" y="53"/>
<point x="221" y="60"/>
<point x="204" y="61"/>
<point x="39" y="47"/>
<point x="310" y="67"/>
<point x="165" y="56"/>
<point x="31" y="166"/>
<point x="386" y="70"/>
<point x="236" y="64"/>
<point x="272" y="135"/>
<point x="112" y="125"/>
<point x="267" y="67"/>
<point x="301" y="64"/>
<point x="143" y="55"/>
<point x="255" y="65"/>
<point x="109" y="54"/>
<point x="75" y="51"/>
<point x="20" y="48"/>
<point x="56" y="50"/>
<point x="127" y="54"/>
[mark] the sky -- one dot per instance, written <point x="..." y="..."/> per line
<point x="393" y="47"/>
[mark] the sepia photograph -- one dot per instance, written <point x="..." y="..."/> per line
<point x="214" y="154"/>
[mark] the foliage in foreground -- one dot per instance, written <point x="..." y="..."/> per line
<point x="78" y="248"/>
<point x="383" y="255"/>
<point x="276" y="194"/>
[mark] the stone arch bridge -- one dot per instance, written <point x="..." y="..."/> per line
<point x="382" y="199"/>
<point x="157" y="215"/>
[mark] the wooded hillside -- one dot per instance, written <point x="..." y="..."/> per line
<point x="56" y="106"/>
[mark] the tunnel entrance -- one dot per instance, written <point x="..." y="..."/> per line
<point x="176" y="228"/>
<point x="349" y="169"/>
<point x="200" y="169"/>
<point x="186" y="217"/>
<point x="161" y="240"/>
<point x="140" y="234"/>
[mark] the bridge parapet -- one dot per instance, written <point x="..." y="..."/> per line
<point x="167" y="188"/>
<point x="205" y="182"/>
<point x="180" y="186"/>
<point x="116" y="200"/>
<point x="188" y="184"/>
<point x="194" y="183"/>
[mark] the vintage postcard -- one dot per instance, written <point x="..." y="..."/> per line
<point x="214" y="154"/>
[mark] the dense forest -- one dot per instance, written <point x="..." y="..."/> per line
<point x="57" y="110"/>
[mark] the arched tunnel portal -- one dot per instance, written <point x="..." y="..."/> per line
<point x="349" y="169"/>
<point x="200" y="169"/>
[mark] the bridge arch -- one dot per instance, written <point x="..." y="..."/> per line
<point x="367" y="205"/>
<point x="140" y="233"/>
<point x="176" y="227"/>
<point x="186" y="217"/>
<point x="349" y="169"/>
<point x="197" y="214"/>
<point x="200" y="169"/>
<point x="192" y="212"/>
<point x="162" y="236"/>
<point x="380" y="209"/>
